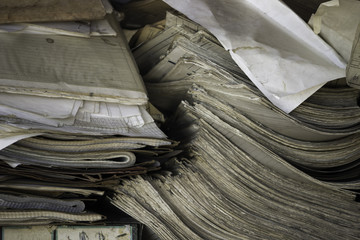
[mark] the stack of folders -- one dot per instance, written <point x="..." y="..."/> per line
<point x="251" y="171"/>
<point x="74" y="118"/>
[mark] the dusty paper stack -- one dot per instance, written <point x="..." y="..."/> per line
<point x="322" y="133"/>
<point x="251" y="171"/>
<point x="74" y="112"/>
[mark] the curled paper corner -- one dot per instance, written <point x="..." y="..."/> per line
<point x="333" y="3"/>
<point x="316" y="19"/>
<point x="315" y="22"/>
<point x="12" y="164"/>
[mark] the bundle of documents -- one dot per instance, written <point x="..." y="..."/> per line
<point x="224" y="191"/>
<point x="93" y="82"/>
<point x="73" y="112"/>
<point x="250" y="170"/>
<point x="320" y="136"/>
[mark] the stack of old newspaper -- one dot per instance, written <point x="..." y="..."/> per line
<point x="74" y="113"/>
<point x="184" y="62"/>
<point x="251" y="171"/>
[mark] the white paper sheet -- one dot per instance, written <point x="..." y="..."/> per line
<point x="130" y="116"/>
<point x="19" y="113"/>
<point x="46" y="107"/>
<point x="75" y="29"/>
<point x="272" y="45"/>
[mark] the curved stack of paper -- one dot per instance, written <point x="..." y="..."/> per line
<point x="251" y="171"/>
<point x="320" y="136"/>
<point x="225" y="192"/>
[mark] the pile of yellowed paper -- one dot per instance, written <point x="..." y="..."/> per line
<point x="254" y="166"/>
<point x="74" y="113"/>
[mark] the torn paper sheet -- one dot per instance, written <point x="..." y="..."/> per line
<point x="272" y="45"/>
<point x="336" y="22"/>
<point x="10" y="135"/>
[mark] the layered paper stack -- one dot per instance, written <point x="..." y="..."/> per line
<point x="74" y="112"/>
<point x="251" y="171"/>
<point x="321" y="135"/>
